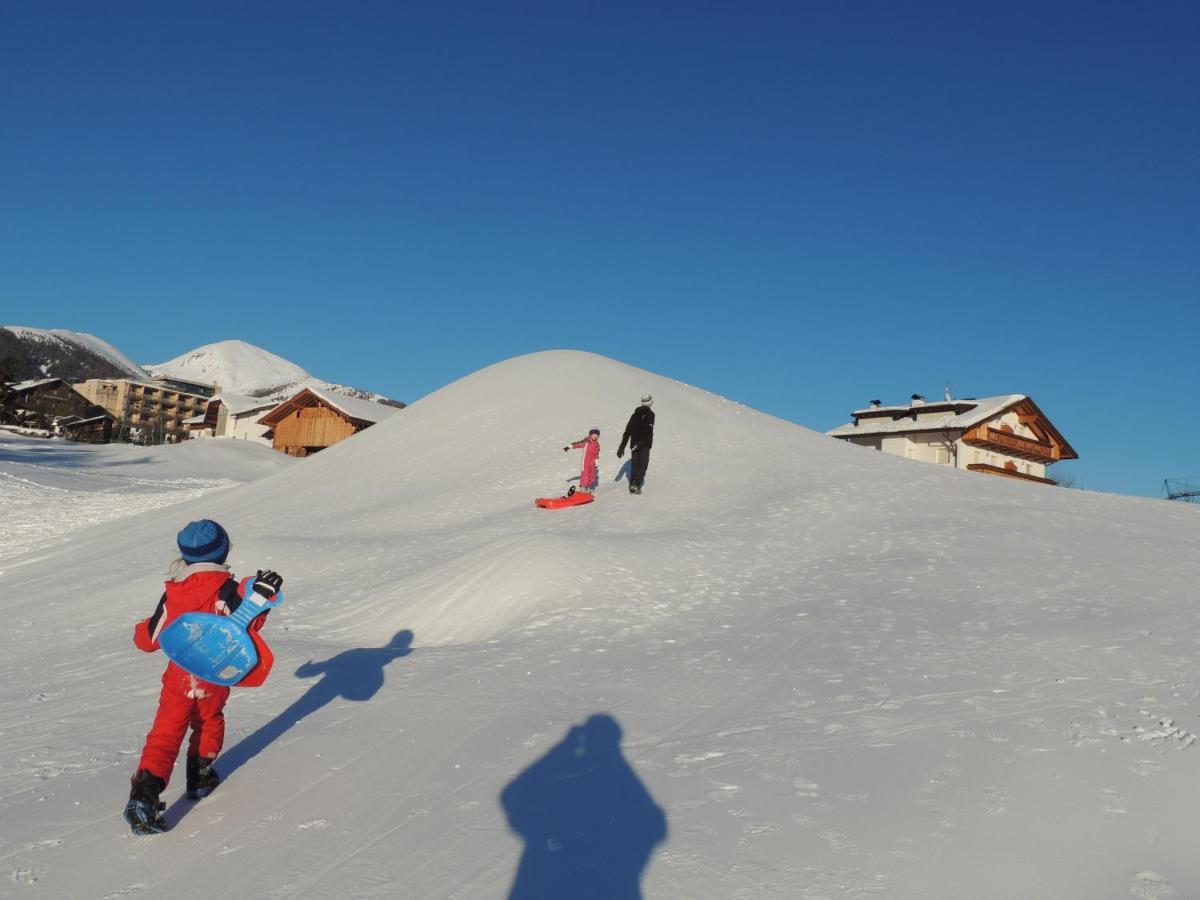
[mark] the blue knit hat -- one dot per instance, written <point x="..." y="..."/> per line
<point x="203" y="541"/>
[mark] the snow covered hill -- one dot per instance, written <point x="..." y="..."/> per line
<point x="243" y="369"/>
<point x="791" y="668"/>
<point x="58" y="353"/>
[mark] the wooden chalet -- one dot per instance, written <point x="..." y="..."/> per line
<point x="1007" y="436"/>
<point x="51" y="398"/>
<point x="60" y="408"/>
<point x="97" y="429"/>
<point x="311" y="420"/>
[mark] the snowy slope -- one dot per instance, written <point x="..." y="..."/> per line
<point x="821" y="671"/>
<point x="49" y="487"/>
<point x="90" y="342"/>
<point x="242" y="368"/>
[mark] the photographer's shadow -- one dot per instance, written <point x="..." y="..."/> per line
<point x="588" y="823"/>
<point x="352" y="675"/>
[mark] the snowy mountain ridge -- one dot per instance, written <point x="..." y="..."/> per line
<point x="238" y="367"/>
<point x="244" y="369"/>
<point x="59" y="353"/>
<point x="791" y="668"/>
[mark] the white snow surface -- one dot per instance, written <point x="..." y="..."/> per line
<point x="239" y="367"/>
<point x="82" y="339"/>
<point x="50" y="487"/>
<point x="835" y="674"/>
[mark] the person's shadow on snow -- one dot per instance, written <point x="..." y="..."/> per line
<point x="353" y="675"/>
<point x="589" y="825"/>
<point x="623" y="472"/>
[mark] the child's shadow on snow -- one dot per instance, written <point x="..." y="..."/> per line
<point x="352" y="675"/>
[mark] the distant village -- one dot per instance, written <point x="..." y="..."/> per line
<point x="1007" y="436"/>
<point x="166" y="410"/>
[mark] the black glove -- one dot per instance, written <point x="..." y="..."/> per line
<point x="620" y="453"/>
<point x="267" y="583"/>
<point x="566" y="449"/>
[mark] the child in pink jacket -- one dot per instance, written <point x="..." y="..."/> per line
<point x="589" y="474"/>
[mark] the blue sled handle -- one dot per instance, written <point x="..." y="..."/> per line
<point x="253" y="603"/>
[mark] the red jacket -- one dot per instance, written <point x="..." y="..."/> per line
<point x="591" y="452"/>
<point x="204" y="588"/>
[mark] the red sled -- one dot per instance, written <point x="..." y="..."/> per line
<point x="576" y="499"/>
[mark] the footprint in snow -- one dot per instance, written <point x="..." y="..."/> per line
<point x="1151" y="886"/>
<point x="312" y="824"/>
<point x="1144" y="767"/>
<point x="1114" y="803"/>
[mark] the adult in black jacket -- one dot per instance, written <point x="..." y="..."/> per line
<point x="639" y="434"/>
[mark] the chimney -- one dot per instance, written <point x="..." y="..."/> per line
<point x="918" y="400"/>
<point x="875" y="404"/>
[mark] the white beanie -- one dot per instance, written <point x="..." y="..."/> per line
<point x="647" y="400"/>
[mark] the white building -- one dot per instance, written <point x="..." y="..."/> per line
<point x="244" y="414"/>
<point x="233" y="416"/>
<point x="1006" y="436"/>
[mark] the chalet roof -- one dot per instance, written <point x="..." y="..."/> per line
<point x="241" y="404"/>
<point x="76" y="422"/>
<point x="30" y="385"/>
<point x="952" y="415"/>
<point x="350" y="407"/>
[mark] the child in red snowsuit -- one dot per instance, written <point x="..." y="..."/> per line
<point x="200" y="582"/>
<point x="589" y="474"/>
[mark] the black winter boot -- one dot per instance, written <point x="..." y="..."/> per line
<point x="202" y="778"/>
<point x="143" y="812"/>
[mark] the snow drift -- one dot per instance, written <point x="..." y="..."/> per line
<point x="831" y="673"/>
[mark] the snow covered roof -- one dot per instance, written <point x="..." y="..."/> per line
<point x="76" y="422"/>
<point x="27" y="385"/>
<point x="943" y="415"/>
<point x="241" y="404"/>
<point x="351" y="407"/>
<point x="366" y="410"/>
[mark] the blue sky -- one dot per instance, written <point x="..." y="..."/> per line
<point x="802" y="206"/>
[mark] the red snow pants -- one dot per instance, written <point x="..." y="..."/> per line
<point x="185" y="701"/>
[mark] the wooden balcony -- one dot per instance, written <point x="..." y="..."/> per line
<point x="1012" y="444"/>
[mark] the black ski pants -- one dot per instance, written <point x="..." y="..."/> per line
<point x="639" y="459"/>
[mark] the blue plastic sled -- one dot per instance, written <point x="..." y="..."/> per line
<point x="217" y="648"/>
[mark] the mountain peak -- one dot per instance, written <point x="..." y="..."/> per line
<point x="240" y="367"/>
<point x="237" y="366"/>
